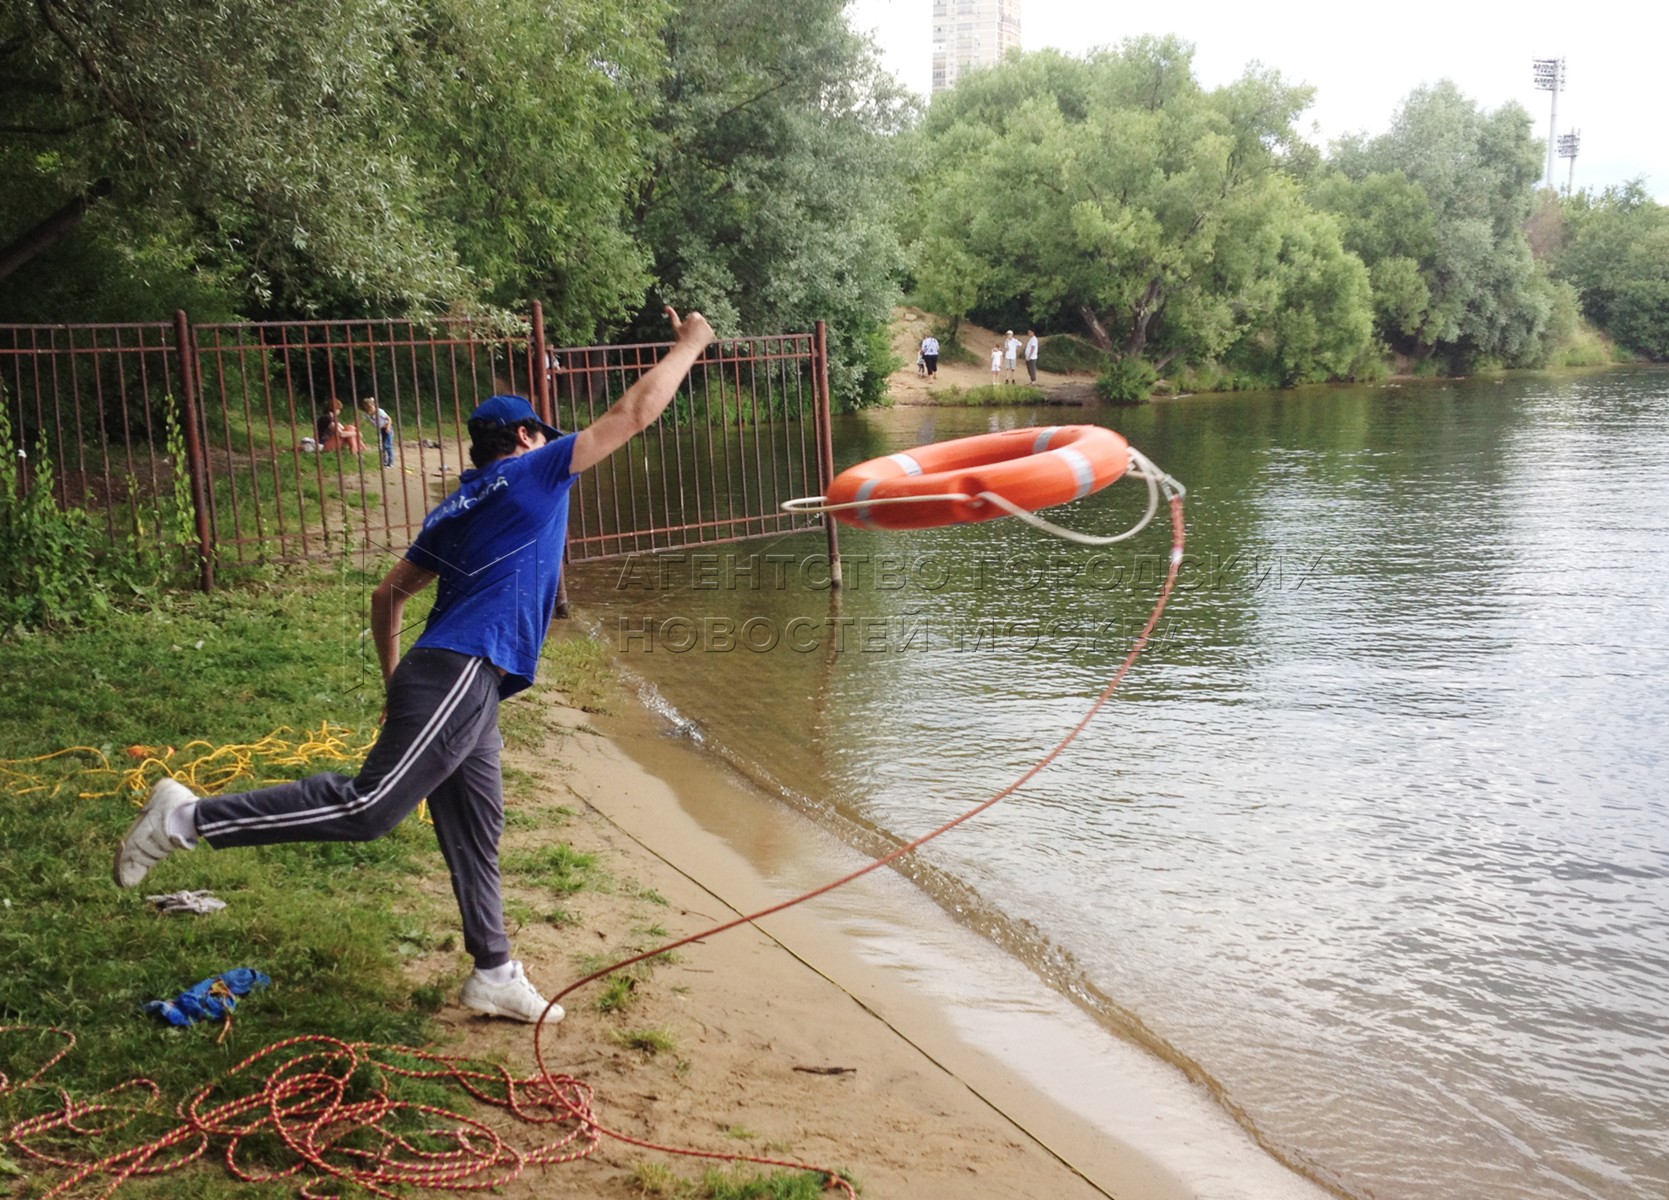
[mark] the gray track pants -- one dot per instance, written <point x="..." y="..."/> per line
<point x="440" y="741"/>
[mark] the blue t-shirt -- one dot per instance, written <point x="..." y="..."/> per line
<point x="496" y="543"/>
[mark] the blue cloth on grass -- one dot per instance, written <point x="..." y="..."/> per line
<point x="204" y="1002"/>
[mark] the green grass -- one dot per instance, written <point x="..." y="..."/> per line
<point x="989" y="395"/>
<point x="520" y="785"/>
<point x="560" y="868"/>
<point x="728" y="1184"/>
<point x="580" y="668"/>
<point x="331" y="924"/>
<point x="616" y="995"/>
<point x="619" y="990"/>
<point x="747" y="1184"/>
<point x="738" y="1182"/>
<point x="646" y="1041"/>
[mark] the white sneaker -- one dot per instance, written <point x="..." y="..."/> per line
<point x="518" y="999"/>
<point x="147" y="842"/>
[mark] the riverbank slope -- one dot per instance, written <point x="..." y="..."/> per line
<point x="782" y="1041"/>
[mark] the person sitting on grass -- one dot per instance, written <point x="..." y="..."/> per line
<point x="495" y="547"/>
<point x="336" y="434"/>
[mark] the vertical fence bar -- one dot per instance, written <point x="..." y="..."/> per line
<point x="102" y="426"/>
<point x="802" y="380"/>
<point x="541" y="368"/>
<point x="131" y="477"/>
<point x="150" y="420"/>
<point x="187" y="348"/>
<point x="284" y="351"/>
<point x="825" y="458"/>
<point x="352" y="405"/>
<point x="272" y="426"/>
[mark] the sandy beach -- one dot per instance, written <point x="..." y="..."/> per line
<point x="865" y="1031"/>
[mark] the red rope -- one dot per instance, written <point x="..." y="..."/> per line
<point x="323" y="1105"/>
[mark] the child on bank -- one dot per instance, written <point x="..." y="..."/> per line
<point x="385" y="428"/>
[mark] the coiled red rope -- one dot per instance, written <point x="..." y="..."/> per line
<point x="340" y="1127"/>
<point x="321" y="1099"/>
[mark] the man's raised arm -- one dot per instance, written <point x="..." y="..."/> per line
<point x="646" y="399"/>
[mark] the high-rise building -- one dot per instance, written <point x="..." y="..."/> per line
<point x="969" y="34"/>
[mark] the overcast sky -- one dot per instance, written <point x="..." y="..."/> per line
<point x="1361" y="69"/>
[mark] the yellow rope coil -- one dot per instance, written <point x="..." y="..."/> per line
<point x="204" y="767"/>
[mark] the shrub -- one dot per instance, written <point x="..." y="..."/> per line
<point x="46" y="553"/>
<point x="1126" y="381"/>
<point x="1585" y="347"/>
<point x="60" y="566"/>
<point x="879" y="362"/>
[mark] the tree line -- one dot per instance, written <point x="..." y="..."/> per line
<point x="271" y="159"/>
<point x="1188" y="230"/>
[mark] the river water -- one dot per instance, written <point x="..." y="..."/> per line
<point x="1375" y="838"/>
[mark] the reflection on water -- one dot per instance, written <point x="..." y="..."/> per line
<point x="1375" y="833"/>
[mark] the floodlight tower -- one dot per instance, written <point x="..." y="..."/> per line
<point x="1549" y="74"/>
<point x="1569" y="144"/>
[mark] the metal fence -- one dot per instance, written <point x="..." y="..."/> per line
<point x="212" y="432"/>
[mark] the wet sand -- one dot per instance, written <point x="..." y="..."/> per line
<point x="865" y="1030"/>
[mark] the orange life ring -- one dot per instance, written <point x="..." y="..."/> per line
<point x="1031" y="468"/>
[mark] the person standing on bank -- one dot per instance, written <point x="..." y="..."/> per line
<point x="930" y="355"/>
<point x="383" y="424"/>
<point x="1031" y="354"/>
<point x="495" y="546"/>
<point x="1011" y="347"/>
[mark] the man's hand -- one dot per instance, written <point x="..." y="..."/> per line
<point x="694" y="327"/>
<point x="646" y="399"/>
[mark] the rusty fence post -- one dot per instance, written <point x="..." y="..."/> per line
<point x="196" y="461"/>
<point x="825" y="447"/>
<point x="541" y="368"/>
<point x="544" y="403"/>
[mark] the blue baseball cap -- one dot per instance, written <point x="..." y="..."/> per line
<point x="502" y="412"/>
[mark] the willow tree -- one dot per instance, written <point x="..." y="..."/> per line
<point x="771" y="202"/>
<point x="331" y="154"/>
<point x="243" y="130"/>
<point x="1437" y="207"/>
<point x="1617" y="256"/>
<point x="1119" y="191"/>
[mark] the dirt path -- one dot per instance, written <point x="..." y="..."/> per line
<point x="905" y="386"/>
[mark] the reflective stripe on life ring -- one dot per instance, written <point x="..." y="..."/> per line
<point x="1032" y="468"/>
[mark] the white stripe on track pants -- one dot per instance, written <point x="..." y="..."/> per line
<point x="440" y="741"/>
